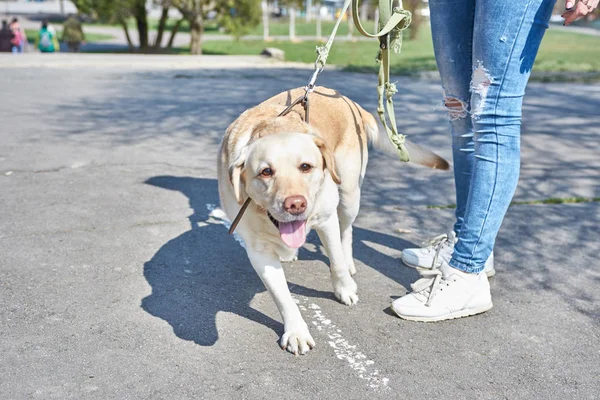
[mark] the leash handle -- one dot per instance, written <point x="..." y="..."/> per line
<point x="390" y="18"/>
<point x="392" y="21"/>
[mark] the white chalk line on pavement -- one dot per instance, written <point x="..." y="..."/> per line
<point x="344" y="350"/>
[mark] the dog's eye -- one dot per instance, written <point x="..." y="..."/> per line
<point x="305" y="167"/>
<point x="266" y="172"/>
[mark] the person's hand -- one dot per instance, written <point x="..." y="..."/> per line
<point x="575" y="11"/>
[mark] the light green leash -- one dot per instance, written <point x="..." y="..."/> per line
<point x="392" y="21"/>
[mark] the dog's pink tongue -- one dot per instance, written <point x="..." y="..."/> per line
<point x="293" y="233"/>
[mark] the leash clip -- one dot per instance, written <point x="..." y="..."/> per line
<point x="313" y="80"/>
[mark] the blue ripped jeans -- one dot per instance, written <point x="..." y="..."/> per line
<point x="485" y="50"/>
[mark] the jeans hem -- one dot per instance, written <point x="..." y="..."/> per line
<point x="470" y="269"/>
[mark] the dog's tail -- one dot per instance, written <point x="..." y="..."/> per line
<point x="419" y="155"/>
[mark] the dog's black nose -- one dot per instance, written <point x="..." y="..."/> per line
<point x="295" y="205"/>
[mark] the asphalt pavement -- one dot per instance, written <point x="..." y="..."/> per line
<point x="118" y="280"/>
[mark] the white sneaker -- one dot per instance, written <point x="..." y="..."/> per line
<point x="445" y="293"/>
<point x="443" y="246"/>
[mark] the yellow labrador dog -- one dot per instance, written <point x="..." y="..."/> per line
<point x="300" y="177"/>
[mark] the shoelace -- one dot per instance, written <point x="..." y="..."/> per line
<point x="433" y="242"/>
<point x="437" y="244"/>
<point x="432" y="278"/>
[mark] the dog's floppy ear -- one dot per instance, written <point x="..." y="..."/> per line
<point x="328" y="161"/>
<point x="236" y="175"/>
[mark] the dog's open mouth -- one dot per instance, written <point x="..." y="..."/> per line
<point x="292" y="233"/>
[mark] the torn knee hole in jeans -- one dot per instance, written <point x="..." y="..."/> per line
<point x="480" y="83"/>
<point x="456" y="108"/>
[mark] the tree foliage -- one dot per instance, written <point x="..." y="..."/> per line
<point x="238" y="17"/>
<point x="235" y="16"/>
<point x="118" y="11"/>
<point x="105" y="10"/>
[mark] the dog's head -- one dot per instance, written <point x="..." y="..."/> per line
<point x="283" y="173"/>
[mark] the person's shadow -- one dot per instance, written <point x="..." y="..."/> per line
<point x="204" y="271"/>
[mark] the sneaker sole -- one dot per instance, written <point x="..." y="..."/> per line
<point x="454" y="315"/>
<point x="489" y="273"/>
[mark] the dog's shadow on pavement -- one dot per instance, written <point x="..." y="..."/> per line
<point x="204" y="271"/>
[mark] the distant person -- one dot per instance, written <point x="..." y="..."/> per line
<point x="47" y="41"/>
<point x="73" y="34"/>
<point x="19" y="39"/>
<point x="6" y="36"/>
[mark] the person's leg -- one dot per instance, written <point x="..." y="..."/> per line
<point x="452" y="32"/>
<point x="506" y="37"/>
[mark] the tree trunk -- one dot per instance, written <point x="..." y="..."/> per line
<point x="350" y="25"/>
<point x="319" y="30"/>
<point x="174" y="32"/>
<point x="364" y="11"/>
<point x="414" y="6"/>
<point x="376" y="18"/>
<point x="162" y="23"/>
<point x="309" y="10"/>
<point x="140" y="14"/>
<point x="265" y="19"/>
<point x="292" y="23"/>
<point x="196" y="30"/>
<point x="126" y="30"/>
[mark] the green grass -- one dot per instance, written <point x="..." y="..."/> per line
<point x="32" y="35"/>
<point x="557" y="200"/>
<point x="559" y="52"/>
<point x="568" y="52"/>
<point x="277" y="27"/>
<point x="451" y="206"/>
<point x="303" y="28"/>
<point x="355" y="56"/>
<point x="211" y="28"/>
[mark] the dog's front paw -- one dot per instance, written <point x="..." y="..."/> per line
<point x="345" y="290"/>
<point x="297" y="339"/>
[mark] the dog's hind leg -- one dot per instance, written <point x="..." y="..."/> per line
<point x="296" y="337"/>
<point x="347" y="212"/>
<point x="344" y="286"/>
